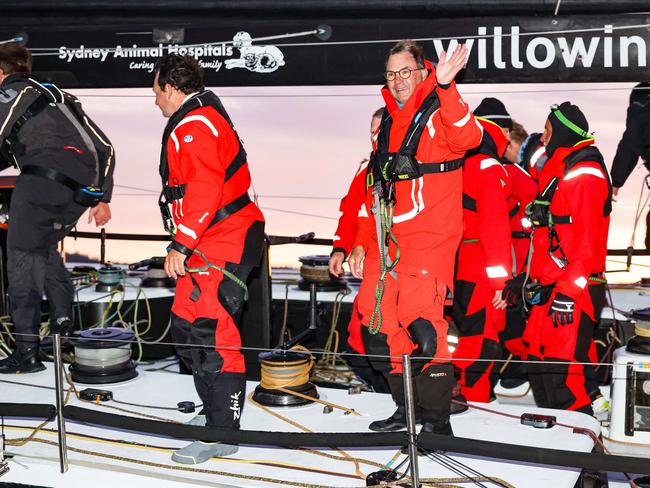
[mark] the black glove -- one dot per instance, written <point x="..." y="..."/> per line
<point x="512" y="291"/>
<point x="62" y="325"/>
<point x="561" y="310"/>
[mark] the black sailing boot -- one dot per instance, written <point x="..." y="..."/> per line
<point x="434" y="386"/>
<point x="23" y="360"/>
<point x="397" y="421"/>
<point x="225" y="397"/>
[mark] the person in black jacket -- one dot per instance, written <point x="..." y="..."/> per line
<point x="635" y="142"/>
<point x="66" y="166"/>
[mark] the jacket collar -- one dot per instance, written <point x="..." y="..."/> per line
<point x="14" y="78"/>
<point x="555" y="166"/>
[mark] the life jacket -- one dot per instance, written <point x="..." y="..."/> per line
<point x="389" y="167"/>
<point x="170" y="193"/>
<point x="87" y="195"/>
<point x="538" y="210"/>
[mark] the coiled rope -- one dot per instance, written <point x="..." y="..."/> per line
<point x="282" y="376"/>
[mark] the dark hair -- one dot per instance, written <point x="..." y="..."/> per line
<point x="15" y="59"/>
<point x="411" y="47"/>
<point x="182" y="72"/>
<point x="378" y="113"/>
<point x="518" y="133"/>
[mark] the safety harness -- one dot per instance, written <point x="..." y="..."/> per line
<point x="539" y="210"/>
<point x="176" y="192"/>
<point x="85" y="195"/>
<point x="384" y="170"/>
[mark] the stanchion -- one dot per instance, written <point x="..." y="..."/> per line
<point x="410" y="421"/>
<point x="58" y="378"/>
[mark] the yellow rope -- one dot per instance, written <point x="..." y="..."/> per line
<point x="641" y="331"/>
<point x="282" y="376"/>
<point x="357" y="468"/>
<point x="178" y="467"/>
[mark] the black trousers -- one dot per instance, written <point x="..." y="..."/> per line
<point x="42" y="212"/>
<point x="221" y="391"/>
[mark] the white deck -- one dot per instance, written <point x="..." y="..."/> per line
<point x="37" y="463"/>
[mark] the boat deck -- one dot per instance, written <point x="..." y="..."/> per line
<point x="108" y="461"/>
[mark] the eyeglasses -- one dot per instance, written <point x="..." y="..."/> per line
<point x="404" y="73"/>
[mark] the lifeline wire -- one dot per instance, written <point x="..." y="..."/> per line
<point x="380" y="356"/>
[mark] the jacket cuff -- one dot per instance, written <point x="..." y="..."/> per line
<point x="444" y="86"/>
<point x="338" y="249"/>
<point x="177" y="246"/>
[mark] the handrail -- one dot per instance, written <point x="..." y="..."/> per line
<point x="277" y="240"/>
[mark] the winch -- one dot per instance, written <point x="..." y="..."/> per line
<point x="285" y="371"/>
<point x="109" y="279"/>
<point x="155" y="276"/>
<point x="315" y="269"/>
<point x="103" y="356"/>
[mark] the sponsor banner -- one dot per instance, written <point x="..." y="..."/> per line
<point x="502" y="50"/>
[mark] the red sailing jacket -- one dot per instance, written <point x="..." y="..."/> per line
<point x="428" y="215"/>
<point x="582" y="194"/>
<point x="524" y="191"/>
<point x="199" y="150"/>
<point x="351" y="206"/>
<point x="486" y="250"/>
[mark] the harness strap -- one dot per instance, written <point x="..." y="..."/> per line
<point x="520" y="234"/>
<point x="172" y="193"/>
<point x="561" y="219"/>
<point x="34" y="109"/>
<point x="441" y="167"/>
<point x="227" y="210"/>
<point x="514" y="210"/>
<point x="51" y="174"/>
<point x="469" y="203"/>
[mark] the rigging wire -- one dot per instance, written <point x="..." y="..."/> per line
<point x="44" y="51"/>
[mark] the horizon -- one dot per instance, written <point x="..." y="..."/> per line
<point x="304" y="145"/>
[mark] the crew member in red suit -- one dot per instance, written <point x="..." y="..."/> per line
<point x="524" y="189"/>
<point x="485" y="255"/>
<point x="346" y="231"/>
<point x="566" y="286"/>
<point x="405" y="247"/>
<point x="218" y="241"/>
<point x="532" y="155"/>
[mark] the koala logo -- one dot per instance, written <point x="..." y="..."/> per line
<point x="259" y="59"/>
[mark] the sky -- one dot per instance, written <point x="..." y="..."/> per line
<point x="304" y="145"/>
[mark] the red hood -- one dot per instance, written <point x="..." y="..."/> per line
<point x="496" y="133"/>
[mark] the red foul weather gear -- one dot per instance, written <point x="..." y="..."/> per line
<point x="351" y="205"/>
<point x="427" y="225"/>
<point x="569" y="256"/>
<point x="484" y="263"/>
<point x="524" y="190"/>
<point x="206" y="180"/>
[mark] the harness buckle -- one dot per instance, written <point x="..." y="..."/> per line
<point x="168" y="221"/>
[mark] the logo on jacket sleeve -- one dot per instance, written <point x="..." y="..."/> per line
<point x="188" y="138"/>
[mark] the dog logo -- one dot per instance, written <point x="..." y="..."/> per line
<point x="259" y="59"/>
